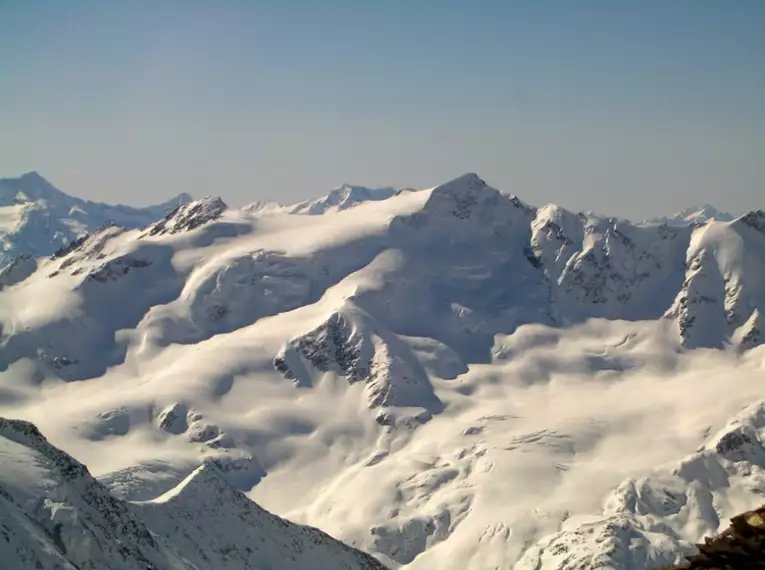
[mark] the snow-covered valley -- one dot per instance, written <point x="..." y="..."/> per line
<point x="442" y="378"/>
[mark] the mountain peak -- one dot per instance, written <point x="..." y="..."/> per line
<point x="37" y="219"/>
<point x="190" y="216"/>
<point x="343" y="197"/>
<point x="694" y="215"/>
<point x="182" y="198"/>
<point x="200" y="482"/>
<point x="470" y="179"/>
<point x="33" y="175"/>
<point x="28" y="187"/>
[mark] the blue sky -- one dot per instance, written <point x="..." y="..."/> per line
<point x="625" y="107"/>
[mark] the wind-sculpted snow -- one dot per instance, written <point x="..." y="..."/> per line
<point x="445" y="378"/>
<point x="55" y="515"/>
<point x="646" y="522"/>
<point x="101" y="281"/>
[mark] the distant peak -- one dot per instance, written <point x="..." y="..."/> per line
<point x="469" y="182"/>
<point x="343" y="197"/>
<point x="32" y="175"/>
<point x="694" y="215"/>
<point x="470" y="178"/>
<point x="181" y="199"/>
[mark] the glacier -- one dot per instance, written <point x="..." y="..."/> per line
<point x="446" y="377"/>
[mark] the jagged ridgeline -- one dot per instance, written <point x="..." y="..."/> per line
<point x="529" y="265"/>
<point x="387" y="364"/>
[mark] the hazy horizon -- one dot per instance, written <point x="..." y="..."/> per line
<point x="630" y="109"/>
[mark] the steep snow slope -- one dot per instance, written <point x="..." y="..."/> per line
<point x="446" y="378"/>
<point x="37" y="219"/>
<point x="55" y="515"/>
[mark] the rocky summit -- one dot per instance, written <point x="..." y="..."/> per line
<point x="446" y="377"/>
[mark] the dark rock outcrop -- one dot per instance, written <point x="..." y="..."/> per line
<point x="740" y="547"/>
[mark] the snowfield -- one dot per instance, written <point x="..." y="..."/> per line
<point x="443" y="378"/>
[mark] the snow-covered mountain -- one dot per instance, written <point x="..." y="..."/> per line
<point x="695" y="215"/>
<point x="56" y="516"/>
<point x="443" y="378"/>
<point x="342" y="198"/>
<point x="37" y="219"/>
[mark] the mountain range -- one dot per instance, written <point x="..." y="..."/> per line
<point x="441" y="378"/>
<point x="37" y="219"/>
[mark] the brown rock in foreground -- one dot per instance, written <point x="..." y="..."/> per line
<point x="740" y="547"/>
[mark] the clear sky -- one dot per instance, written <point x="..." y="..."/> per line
<point x="624" y="107"/>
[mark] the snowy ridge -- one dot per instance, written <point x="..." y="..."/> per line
<point x="55" y="515"/>
<point x="342" y="198"/>
<point x="37" y="219"/>
<point x="693" y="216"/>
<point x="444" y="378"/>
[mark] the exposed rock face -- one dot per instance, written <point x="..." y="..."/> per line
<point x="755" y="220"/>
<point x="740" y="547"/>
<point x="173" y="419"/>
<point x="352" y="345"/>
<point x="189" y="216"/>
<point x="17" y="270"/>
<point x="333" y="344"/>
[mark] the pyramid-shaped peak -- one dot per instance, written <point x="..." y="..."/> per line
<point x="182" y="198"/>
<point x="469" y="179"/>
<point x="190" y="216"/>
<point x="469" y="196"/>
<point x="30" y="186"/>
<point x="33" y="176"/>
<point x="469" y="184"/>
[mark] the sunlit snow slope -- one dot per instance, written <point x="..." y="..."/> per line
<point x="56" y="516"/>
<point x="444" y="378"/>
